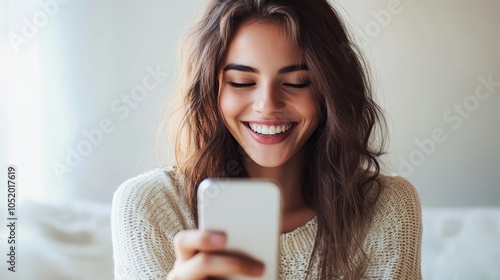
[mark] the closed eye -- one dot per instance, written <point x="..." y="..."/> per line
<point x="240" y="85"/>
<point x="303" y="85"/>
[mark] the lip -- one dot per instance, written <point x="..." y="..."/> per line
<point x="270" y="139"/>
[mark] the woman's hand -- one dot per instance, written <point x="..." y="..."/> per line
<point x="199" y="256"/>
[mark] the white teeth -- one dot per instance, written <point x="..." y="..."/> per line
<point x="272" y="130"/>
<point x="265" y="129"/>
<point x="269" y="130"/>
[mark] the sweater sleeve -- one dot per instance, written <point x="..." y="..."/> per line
<point x="145" y="217"/>
<point x="394" y="240"/>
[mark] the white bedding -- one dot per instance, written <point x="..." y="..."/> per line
<point x="461" y="243"/>
<point x="67" y="242"/>
<point x="74" y="242"/>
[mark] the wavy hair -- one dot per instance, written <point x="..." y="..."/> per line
<point x="343" y="153"/>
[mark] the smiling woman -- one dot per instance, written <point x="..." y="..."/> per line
<point x="271" y="91"/>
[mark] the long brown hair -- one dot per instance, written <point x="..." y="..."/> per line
<point x="343" y="156"/>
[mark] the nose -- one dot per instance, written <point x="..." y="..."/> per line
<point x="268" y="100"/>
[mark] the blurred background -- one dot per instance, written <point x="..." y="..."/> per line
<point x="81" y="88"/>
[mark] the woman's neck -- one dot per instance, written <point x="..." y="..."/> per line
<point x="289" y="176"/>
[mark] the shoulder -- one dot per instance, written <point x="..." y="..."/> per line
<point x="154" y="195"/>
<point x="396" y="194"/>
<point x="398" y="205"/>
<point x="148" y="185"/>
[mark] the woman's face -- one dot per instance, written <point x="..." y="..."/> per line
<point x="265" y="94"/>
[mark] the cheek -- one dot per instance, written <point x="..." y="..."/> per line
<point x="309" y="108"/>
<point x="230" y="105"/>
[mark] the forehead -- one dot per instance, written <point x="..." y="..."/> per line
<point x="262" y="43"/>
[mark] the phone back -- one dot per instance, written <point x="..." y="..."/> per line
<point x="248" y="211"/>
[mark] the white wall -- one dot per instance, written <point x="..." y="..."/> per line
<point x="87" y="57"/>
<point x="428" y="57"/>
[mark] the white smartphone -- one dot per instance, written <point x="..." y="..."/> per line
<point x="249" y="212"/>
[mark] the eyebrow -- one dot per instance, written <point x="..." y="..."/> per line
<point x="245" y="68"/>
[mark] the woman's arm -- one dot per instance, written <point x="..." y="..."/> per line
<point x="147" y="216"/>
<point x="395" y="237"/>
<point x="143" y="224"/>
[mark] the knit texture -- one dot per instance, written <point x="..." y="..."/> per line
<point x="148" y="210"/>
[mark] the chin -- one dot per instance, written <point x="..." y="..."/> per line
<point x="267" y="161"/>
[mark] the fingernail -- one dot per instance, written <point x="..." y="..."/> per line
<point x="217" y="239"/>
<point x="257" y="269"/>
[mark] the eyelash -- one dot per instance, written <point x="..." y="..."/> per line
<point x="295" y="86"/>
<point x="303" y="85"/>
<point x="238" y="85"/>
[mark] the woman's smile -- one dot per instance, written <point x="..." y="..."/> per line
<point x="270" y="134"/>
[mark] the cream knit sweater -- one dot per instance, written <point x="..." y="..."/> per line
<point x="147" y="212"/>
